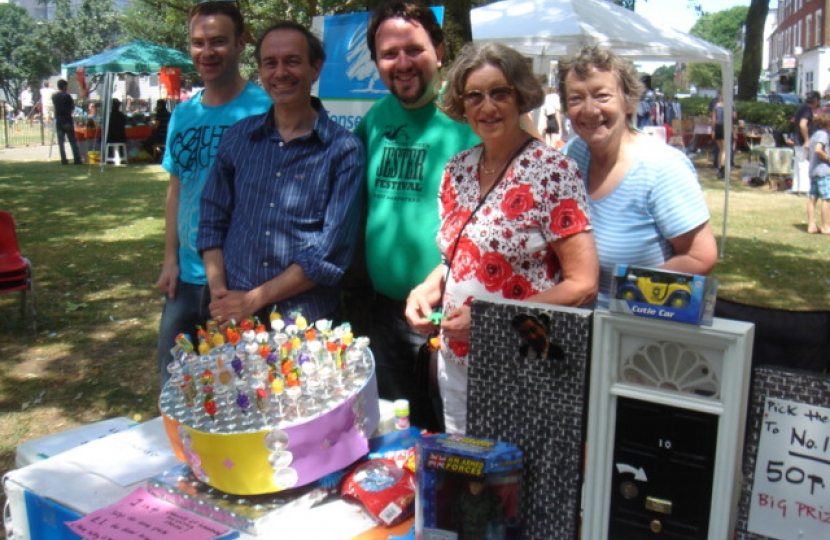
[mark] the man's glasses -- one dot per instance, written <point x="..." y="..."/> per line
<point x="499" y="94"/>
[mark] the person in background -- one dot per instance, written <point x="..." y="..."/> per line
<point x="717" y="119"/>
<point x="161" y="123"/>
<point x="46" y="99"/>
<point x="117" y="126"/>
<point x="408" y="141"/>
<point x="64" y="107"/>
<point x="514" y="216"/>
<point x="647" y="208"/>
<point x="803" y="130"/>
<point x="217" y="38"/>
<point x="27" y="101"/>
<point x="550" y="122"/>
<point x="819" y="175"/>
<point x="281" y="205"/>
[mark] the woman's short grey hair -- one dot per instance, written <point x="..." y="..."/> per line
<point x="515" y="67"/>
<point x="597" y="57"/>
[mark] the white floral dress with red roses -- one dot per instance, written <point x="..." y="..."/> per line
<point x="505" y="250"/>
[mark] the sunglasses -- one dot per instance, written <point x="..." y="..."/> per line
<point x="499" y="94"/>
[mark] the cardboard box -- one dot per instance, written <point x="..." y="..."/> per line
<point x="468" y="488"/>
<point x="662" y="294"/>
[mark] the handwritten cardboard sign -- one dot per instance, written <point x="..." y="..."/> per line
<point x="140" y="516"/>
<point x="792" y="473"/>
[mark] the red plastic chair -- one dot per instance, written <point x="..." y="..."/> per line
<point x="15" y="270"/>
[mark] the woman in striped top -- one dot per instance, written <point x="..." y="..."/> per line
<point x="646" y="204"/>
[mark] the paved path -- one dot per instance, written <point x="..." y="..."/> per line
<point x="31" y="153"/>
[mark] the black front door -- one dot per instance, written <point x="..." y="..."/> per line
<point x="663" y="467"/>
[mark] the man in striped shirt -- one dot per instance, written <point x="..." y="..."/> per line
<point x="280" y="209"/>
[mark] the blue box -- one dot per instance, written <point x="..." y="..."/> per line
<point x="663" y="294"/>
<point x="467" y="482"/>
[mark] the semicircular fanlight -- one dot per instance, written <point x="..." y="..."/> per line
<point x="671" y="366"/>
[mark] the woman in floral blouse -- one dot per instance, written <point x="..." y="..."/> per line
<point x="530" y="238"/>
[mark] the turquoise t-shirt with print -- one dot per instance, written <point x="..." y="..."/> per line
<point x="192" y="138"/>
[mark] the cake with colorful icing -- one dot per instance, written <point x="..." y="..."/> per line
<point x="255" y="410"/>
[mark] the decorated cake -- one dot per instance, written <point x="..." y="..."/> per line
<point x="255" y="410"/>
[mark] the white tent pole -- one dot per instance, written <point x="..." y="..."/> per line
<point x="106" y="102"/>
<point x="728" y="101"/>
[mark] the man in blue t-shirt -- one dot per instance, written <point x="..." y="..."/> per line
<point x="217" y="38"/>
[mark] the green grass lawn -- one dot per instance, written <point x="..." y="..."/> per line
<point x="769" y="259"/>
<point x="96" y="241"/>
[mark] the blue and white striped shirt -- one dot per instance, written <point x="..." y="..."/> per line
<point x="269" y="204"/>
<point x="658" y="199"/>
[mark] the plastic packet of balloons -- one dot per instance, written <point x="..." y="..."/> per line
<point x="386" y="490"/>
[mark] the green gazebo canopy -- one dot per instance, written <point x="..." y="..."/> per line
<point x="138" y="56"/>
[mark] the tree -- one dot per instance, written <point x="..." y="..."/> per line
<point x="162" y="21"/>
<point x="21" y="58"/>
<point x="751" y="64"/>
<point x="98" y="26"/>
<point x="91" y="28"/>
<point x="663" y="78"/>
<point x="722" y="29"/>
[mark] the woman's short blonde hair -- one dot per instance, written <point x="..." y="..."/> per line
<point x="515" y="67"/>
<point x="595" y="57"/>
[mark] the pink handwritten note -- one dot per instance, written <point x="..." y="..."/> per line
<point x="140" y="516"/>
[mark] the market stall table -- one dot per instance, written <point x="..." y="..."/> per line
<point x="133" y="133"/>
<point x="104" y="471"/>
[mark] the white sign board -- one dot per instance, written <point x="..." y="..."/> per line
<point x="791" y="491"/>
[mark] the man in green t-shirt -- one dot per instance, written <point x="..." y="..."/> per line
<point x="408" y="142"/>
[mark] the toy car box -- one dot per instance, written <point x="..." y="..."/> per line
<point x="663" y="294"/>
<point x="468" y="488"/>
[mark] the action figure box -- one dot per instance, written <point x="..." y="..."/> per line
<point x="468" y="488"/>
<point x="663" y="294"/>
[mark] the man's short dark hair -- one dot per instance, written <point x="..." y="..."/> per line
<point x="229" y="9"/>
<point x="408" y="11"/>
<point x="812" y="97"/>
<point x="316" y="51"/>
<point x="62" y="85"/>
